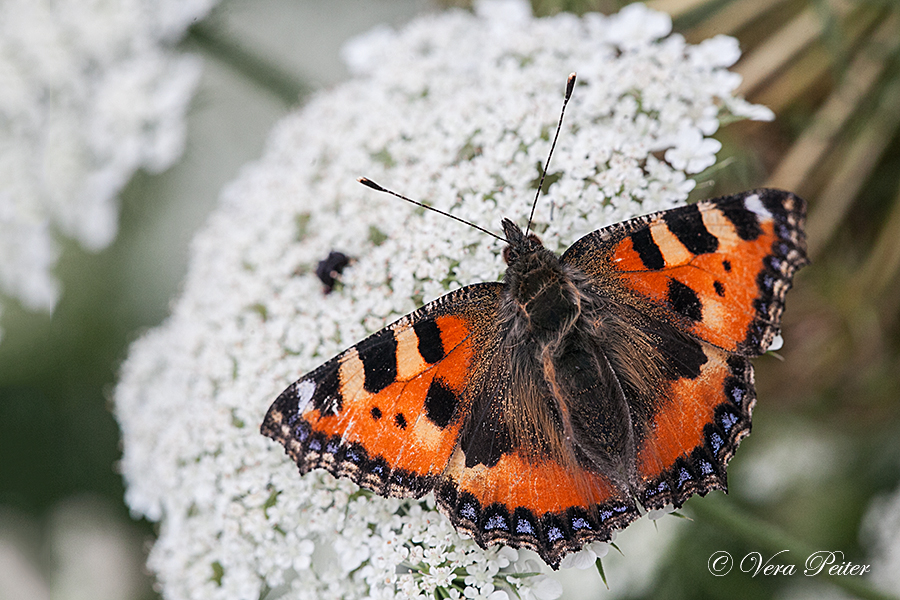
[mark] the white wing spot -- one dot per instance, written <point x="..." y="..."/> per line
<point x="754" y="204"/>
<point x="334" y="404"/>
<point x="304" y="391"/>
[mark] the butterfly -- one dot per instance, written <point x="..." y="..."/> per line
<point x="549" y="409"/>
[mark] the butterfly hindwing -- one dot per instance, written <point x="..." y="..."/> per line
<point x="514" y="478"/>
<point x="695" y="427"/>
<point x="387" y="412"/>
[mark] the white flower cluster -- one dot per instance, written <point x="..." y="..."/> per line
<point x="90" y="93"/>
<point x="456" y="109"/>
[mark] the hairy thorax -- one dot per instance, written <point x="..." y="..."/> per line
<point x="565" y="344"/>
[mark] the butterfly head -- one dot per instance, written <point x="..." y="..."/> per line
<point x="539" y="287"/>
<point x="519" y="244"/>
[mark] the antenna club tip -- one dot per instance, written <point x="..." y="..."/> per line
<point x="369" y="183"/>
<point x="570" y="84"/>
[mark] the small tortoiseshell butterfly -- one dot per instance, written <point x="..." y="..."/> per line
<point x="545" y="410"/>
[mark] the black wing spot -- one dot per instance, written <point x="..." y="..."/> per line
<point x="726" y="264"/>
<point x="378" y="354"/>
<point x="486" y="442"/>
<point x="431" y="346"/>
<point x="375" y="412"/>
<point x="440" y="403"/>
<point x="745" y="222"/>
<point x="647" y="249"/>
<point x="684" y="357"/>
<point x="327" y="397"/>
<point x="400" y="420"/>
<point x="687" y="225"/>
<point x="685" y="300"/>
<point x="720" y="288"/>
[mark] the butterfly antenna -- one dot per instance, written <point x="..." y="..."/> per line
<point x="371" y="184"/>
<point x="570" y="85"/>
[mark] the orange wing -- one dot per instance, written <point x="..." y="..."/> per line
<point x="718" y="269"/>
<point x="694" y="429"/>
<point x="524" y="486"/>
<point x="387" y="412"/>
<point x="539" y="503"/>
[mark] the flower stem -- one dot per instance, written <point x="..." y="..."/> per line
<point x="282" y="84"/>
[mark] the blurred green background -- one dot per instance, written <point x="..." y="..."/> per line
<point x="826" y="441"/>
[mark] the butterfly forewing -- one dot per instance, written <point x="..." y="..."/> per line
<point x="387" y="412"/>
<point x="719" y="269"/>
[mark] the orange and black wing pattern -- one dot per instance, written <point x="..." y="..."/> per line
<point x="551" y="438"/>
<point x="525" y="489"/>
<point x="719" y="269"/>
<point x="387" y="412"/>
<point x="710" y="280"/>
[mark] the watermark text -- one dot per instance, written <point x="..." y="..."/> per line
<point x="829" y="562"/>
